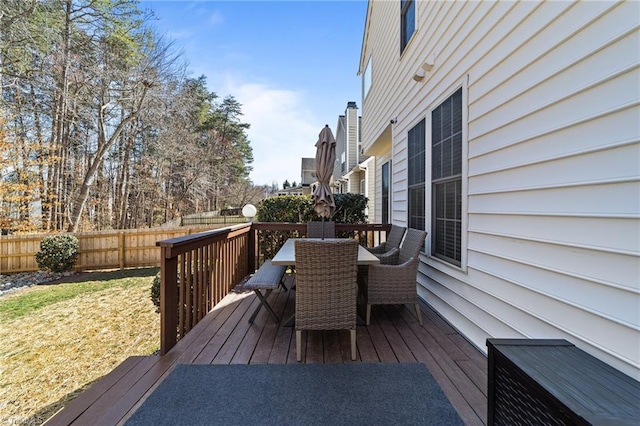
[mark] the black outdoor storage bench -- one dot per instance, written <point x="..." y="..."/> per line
<point x="552" y="382"/>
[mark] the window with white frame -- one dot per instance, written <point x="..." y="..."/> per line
<point x="416" y="175"/>
<point x="446" y="179"/>
<point x="366" y="79"/>
<point x="407" y="22"/>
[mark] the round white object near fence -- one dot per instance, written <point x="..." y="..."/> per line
<point x="249" y="211"/>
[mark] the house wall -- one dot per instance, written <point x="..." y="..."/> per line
<point x="351" y="118"/>
<point x="551" y="204"/>
<point x="381" y="159"/>
<point x="370" y="188"/>
<point x="353" y="185"/>
<point x="341" y="142"/>
<point x="308" y="171"/>
<point x="347" y="148"/>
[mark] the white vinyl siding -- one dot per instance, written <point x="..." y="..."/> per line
<point x="552" y="169"/>
<point x="351" y="116"/>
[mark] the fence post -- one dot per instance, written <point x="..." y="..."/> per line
<point x="168" y="300"/>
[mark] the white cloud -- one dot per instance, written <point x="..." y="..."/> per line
<point x="282" y="131"/>
<point x="216" y="19"/>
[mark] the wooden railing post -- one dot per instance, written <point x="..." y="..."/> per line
<point x="168" y="300"/>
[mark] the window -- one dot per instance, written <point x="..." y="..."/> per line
<point x="407" y="22"/>
<point x="416" y="175"/>
<point x="385" y="193"/>
<point x="366" y="79"/>
<point x="446" y="155"/>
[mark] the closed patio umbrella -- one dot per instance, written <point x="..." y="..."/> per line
<point x="325" y="157"/>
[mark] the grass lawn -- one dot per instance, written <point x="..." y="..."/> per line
<point x="56" y="339"/>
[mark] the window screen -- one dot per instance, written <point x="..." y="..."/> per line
<point x="416" y="175"/>
<point x="446" y="158"/>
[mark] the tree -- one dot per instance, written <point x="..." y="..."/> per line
<point x="101" y="129"/>
<point x="24" y="43"/>
<point x="119" y="81"/>
<point x="18" y="179"/>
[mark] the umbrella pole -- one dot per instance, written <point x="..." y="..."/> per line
<point x="322" y="227"/>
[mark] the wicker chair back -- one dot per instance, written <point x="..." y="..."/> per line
<point x="326" y="284"/>
<point x="326" y="288"/>
<point x="325" y="229"/>
<point x="395" y="237"/>
<point x="412" y="244"/>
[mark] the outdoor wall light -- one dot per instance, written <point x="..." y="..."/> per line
<point x="249" y="211"/>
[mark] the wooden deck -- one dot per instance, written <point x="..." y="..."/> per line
<point x="226" y="337"/>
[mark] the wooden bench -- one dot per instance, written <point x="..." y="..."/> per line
<point x="552" y="382"/>
<point x="267" y="278"/>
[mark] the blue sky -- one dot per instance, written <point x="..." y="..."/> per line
<point x="291" y="64"/>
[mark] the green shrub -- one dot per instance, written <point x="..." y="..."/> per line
<point x="155" y="291"/>
<point x="299" y="209"/>
<point x="58" y="253"/>
<point x="349" y="208"/>
<point x="287" y="208"/>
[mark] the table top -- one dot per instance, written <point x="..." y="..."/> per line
<point x="287" y="254"/>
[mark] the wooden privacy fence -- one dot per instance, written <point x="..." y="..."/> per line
<point x="212" y="220"/>
<point x="97" y="250"/>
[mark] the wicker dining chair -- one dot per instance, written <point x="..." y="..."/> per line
<point x="326" y="229"/>
<point x="326" y="288"/>
<point x="393" y="281"/>
<point x="388" y="248"/>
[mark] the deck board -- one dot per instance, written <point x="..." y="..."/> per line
<point x="379" y="340"/>
<point x="396" y="342"/>
<point x="225" y="336"/>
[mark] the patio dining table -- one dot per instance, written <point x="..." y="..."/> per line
<point x="286" y="256"/>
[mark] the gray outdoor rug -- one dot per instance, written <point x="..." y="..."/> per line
<point x="297" y="394"/>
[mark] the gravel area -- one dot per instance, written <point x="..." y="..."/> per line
<point x="14" y="282"/>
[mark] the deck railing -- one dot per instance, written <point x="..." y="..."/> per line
<point x="198" y="270"/>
